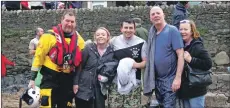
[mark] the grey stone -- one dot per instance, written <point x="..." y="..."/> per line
<point x="220" y="85"/>
<point x="23" y="38"/>
<point x="212" y="86"/>
<point x="214" y="78"/>
<point x="213" y="38"/>
<point x="224" y="77"/>
<point x="18" y="79"/>
<point x="227" y="93"/>
<point x="8" y="80"/>
<point x="215" y="100"/>
<point x="223" y="47"/>
<point x="216" y="41"/>
<point x="221" y="58"/>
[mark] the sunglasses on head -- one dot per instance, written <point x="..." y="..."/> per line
<point x="184" y="21"/>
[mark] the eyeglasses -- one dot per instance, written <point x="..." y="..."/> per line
<point x="184" y="21"/>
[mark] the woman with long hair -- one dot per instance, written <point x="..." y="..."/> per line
<point x="196" y="56"/>
<point x="89" y="82"/>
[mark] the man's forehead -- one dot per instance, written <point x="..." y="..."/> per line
<point x="156" y="9"/>
<point x="69" y="16"/>
<point x="40" y="29"/>
<point x="128" y="24"/>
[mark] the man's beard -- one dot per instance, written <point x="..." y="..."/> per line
<point x="69" y="30"/>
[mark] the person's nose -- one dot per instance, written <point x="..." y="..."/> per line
<point x="99" y="36"/>
<point x="69" y="23"/>
<point x="129" y="29"/>
<point x="156" y="16"/>
<point x="182" y="31"/>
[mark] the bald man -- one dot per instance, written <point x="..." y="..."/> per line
<point x="34" y="42"/>
<point x="165" y="59"/>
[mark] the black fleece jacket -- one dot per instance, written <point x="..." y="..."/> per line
<point x="200" y="60"/>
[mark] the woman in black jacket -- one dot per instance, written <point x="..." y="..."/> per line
<point x="197" y="57"/>
<point x="88" y="81"/>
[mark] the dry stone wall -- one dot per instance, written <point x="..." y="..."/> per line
<point x="213" y="22"/>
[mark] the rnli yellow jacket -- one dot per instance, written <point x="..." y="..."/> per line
<point x="46" y="42"/>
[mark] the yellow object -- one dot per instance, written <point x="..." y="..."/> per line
<point x="69" y="104"/>
<point x="46" y="92"/>
<point x="46" y="42"/>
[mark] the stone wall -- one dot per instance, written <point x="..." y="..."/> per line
<point x="212" y="21"/>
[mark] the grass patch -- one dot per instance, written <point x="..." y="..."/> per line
<point x="8" y="33"/>
<point x="202" y="31"/>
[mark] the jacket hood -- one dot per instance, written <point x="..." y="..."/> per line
<point x="179" y="6"/>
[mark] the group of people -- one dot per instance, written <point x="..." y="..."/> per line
<point x="112" y="69"/>
<point x="31" y="5"/>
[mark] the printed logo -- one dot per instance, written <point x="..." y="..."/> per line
<point x="135" y="52"/>
<point x="58" y="37"/>
<point x="53" y="55"/>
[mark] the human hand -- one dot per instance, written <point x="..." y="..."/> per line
<point x="176" y="84"/>
<point x="187" y="56"/>
<point x="75" y="89"/>
<point x="102" y="78"/>
<point x="99" y="77"/>
<point x="135" y="65"/>
<point x="31" y="84"/>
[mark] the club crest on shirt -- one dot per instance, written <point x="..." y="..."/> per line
<point x="135" y="52"/>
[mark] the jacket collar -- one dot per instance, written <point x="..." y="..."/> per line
<point x="194" y="41"/>
<point x="109" y="48"/>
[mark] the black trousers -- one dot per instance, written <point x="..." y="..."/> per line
<point x="61" y="85"/>
<point x="97" y="102"/>
<point x="84" y="104"/>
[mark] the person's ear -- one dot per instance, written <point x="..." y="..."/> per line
<point x="121" y="29"/>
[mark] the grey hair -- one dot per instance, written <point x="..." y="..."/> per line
<point x="37" y="30"/>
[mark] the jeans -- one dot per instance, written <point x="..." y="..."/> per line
<point x="164" y="94"/>
<point x="197" y="102"/>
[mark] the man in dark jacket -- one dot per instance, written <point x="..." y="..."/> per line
<point x="180" y="13"/>
<point x="12" y="5"/>
<point x="76" y="4"/>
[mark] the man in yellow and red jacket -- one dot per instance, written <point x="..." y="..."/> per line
<point x="58" y="54"/>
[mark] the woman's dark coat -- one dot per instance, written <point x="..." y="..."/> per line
<point x="86" y="78"/>
<point x="200" y="60"/>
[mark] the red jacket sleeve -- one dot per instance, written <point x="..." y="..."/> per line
<point x="7" y="61"/>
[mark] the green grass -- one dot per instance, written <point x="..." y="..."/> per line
<point x="202" y="31"/>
